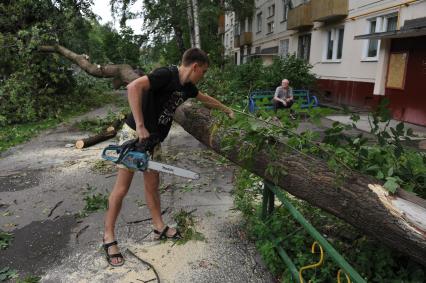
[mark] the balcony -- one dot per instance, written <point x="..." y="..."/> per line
<point x="236" y="41"/>
<point x="329" y="10"/>
<point x="300" y="18"/>
<point x="246" y="38"/>
<point x="221" y="24"/>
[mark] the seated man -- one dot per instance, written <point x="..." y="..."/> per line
<point x="283" y="97"/>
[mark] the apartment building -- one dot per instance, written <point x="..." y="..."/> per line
<point x="361" y="50"/>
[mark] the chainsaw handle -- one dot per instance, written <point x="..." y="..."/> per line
<point x="110" y="148"/>
<point x="147" y="144"/>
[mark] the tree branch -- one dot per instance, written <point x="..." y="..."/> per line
<point x="121" y="73"/>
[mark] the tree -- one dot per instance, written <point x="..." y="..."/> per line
<point x="34" y="86"/>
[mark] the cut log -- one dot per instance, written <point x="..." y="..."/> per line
<point x="399" y="221"/>
<point x="83" y="143"/>
<point x="110" y="132"/>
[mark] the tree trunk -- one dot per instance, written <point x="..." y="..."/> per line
<point x="399" y="221"/>
<point x="190" y="22"/>
<point x="179" y="39"/>
<point x="196" y="24"/>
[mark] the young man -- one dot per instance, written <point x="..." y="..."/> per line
<point x="153" y="100"/>
<point x="283" y="97"/>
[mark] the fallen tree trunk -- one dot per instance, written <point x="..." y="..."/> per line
<point x="399" y="221"/>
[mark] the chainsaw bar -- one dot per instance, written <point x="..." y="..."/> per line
<point x="157" y="166"/>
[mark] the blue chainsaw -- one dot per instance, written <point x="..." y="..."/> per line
<point x="136" y="155"/>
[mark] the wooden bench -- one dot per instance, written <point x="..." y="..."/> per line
<point x="262" y="99"/>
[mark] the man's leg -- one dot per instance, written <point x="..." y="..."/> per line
<point x="292" y="112"/>
<point x="121" y="187"/>
<point x="278" y="105"/>
<point x="152" y="197"/>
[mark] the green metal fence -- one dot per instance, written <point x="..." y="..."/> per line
<point x="321" y="244"/>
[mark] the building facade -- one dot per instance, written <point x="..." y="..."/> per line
<point x="361" y="50"/>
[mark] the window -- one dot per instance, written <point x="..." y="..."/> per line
<point x="237" y="29"/>
<point x="334" y="45"/>
<point x="271" y="10"/>
<point x="373" y="44"/>
<point x="376" y="25"/>
<point x="259" y="22"/>
<point x="283" y="48"/>
<point x="286" y="7"/>
<point x="391" y="23"/>
<point x="249" y="25"/>
<point x="271" y="27"/>
<point x="242" y="26"/>
<point x="304" y="46"/>
<point x="340" y="43"/>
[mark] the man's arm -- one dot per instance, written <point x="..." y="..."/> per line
<point x="211" y="102"/>
<point x="276" y="98"/>
<point x="290" y="94"/>
<point x="135" y="90"/>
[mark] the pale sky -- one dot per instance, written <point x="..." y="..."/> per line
<point x="103" y="9"/>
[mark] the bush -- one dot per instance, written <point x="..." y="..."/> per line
<point x="233" y="83"/>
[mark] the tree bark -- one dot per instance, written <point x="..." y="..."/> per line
<point x="399" y="221"/>
<point x="107" y="134"/>
<point x="196" y="24"/>
<point x="179" y="39"/>
<point x="122" y="74"/>
<point x="190" y="22"/>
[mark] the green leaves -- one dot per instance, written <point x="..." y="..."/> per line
<point x="5" y="240"/>
<point x="186" y="223"/>
<point x="359" y="250"/>
<point x="391" y="184"/>
<point x="6" y="273"/>
<point x="93" y="201"/>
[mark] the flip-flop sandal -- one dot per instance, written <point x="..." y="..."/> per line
<point x="109" y="257"/>
<point x="162" y="235"/>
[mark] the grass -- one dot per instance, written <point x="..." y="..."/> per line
<point x="12" y="135"/>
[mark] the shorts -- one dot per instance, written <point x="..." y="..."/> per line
<point x="126" y="133"/>
<point x="278" y="105"/>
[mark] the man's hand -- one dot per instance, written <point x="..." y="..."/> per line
<point x="142" y="133"/>
<point x="231" y="114"/>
